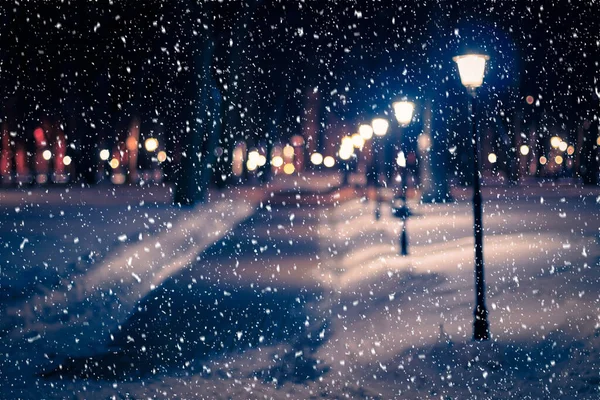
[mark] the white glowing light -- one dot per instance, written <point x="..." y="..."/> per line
<point x="365" y="131"/>
<point x="562" y="146"/>
<point x="316" y="158"/>
<point x="151" y="144"/>
<point x="403" y="110"/>
<point x="380" y="126"/>
<point x="277" y="161"/>
<point x="401" y="159"/>
<point x="329" y="161"/>
<point x="471" y="68"/>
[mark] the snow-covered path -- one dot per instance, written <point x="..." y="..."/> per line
<point x="380" y="325"/>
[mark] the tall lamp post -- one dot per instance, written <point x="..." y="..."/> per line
<point x="366" y="133"/>
<point x="403" y="110"/>
<point x="471" y="68"/>
<point x="380" y="128"/>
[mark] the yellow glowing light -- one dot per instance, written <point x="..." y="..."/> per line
<point x="329" y="161"/>
<point x="47" y="154"/>
<point x="288" y="151"/>
<point x="114" y="163"/>
<point x="358" y="141"/>
<point x="289" y="169"/>
<point x="471" y="68"/>
<point x="151" y="144"/>
<point x="365" y="131"/>
<point x="555" y="142"/>
<point x="558" y="160"/>
<point x="345" y="153"/>
<point x="254" y="156"/>
<point x="562" y="146"/>
<point x="316" y="158"/>
<point x="104" y="154"/>
<point x="524" y="149"/>
<point x="543" y="160"/>
<point x="277" y="161"/>
<point x="380" y="126"/>
<point x="570" y="150"/>
<point x="492" y="158"/>
<point x="401" y="160"/>
<point x="598" y="140"/>
<point x="262" y="160"/>
<point x="251" y="165"/>
<point x="67" y="160"/>
<point x="347" y="141"/>
<point x="131" y="143"/>
<point x="161" y="156"/>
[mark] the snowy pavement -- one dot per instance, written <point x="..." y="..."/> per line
<point x="303" y="302"/>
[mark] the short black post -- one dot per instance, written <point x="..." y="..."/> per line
<point x="481" y="328"/>
<point x="376" y="171"/>
<point x="404" y="238"/>
<point x="345" y="174"/>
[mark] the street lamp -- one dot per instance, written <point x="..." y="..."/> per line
<point x="365" y="131"/>
<point x="471" y="68"/>
<point x="380" y="128"/>
<point x="403" y="110"/>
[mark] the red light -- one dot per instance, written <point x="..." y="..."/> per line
<point x="38" y="134"/>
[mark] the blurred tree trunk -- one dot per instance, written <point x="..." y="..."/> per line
<point x="273" y="133"/>
<point x="235" y="90"/>
<point x="201" y="132"/>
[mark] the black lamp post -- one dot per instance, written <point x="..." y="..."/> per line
<point x="403" y="110"/>
<point x="380" y="128"/>
<point x="471" y="68"/>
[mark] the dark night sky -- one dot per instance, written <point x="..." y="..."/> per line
<point x="124" y="58"/>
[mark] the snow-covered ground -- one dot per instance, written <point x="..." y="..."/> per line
<point x="248" y="298"/>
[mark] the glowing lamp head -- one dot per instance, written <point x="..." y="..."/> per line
<point x="277" y="161"/>
<point x="403" y="110"/>
<point x="151" y="144"/>
<point x="524" y="149"/>
<point x="67" y="160"/>
<point x="288" y="151"/>
<point x="316" y="158"/>
<point x="104" y="154"/>
<point x="254" y="156"/>
<point x="563" y="146"/>
<point x="365" y="131"/>
<point x="47" y="154"/>
<point x="345" y="153"/>
<point x="555" y="142"/>
<point x="289" y="169"/>
<point x="380" y="126"/>
<point x="471" y="68"/>
<point x="329" y="161"/>
<point x="347" y="141"/>
<point x="358" y="141"/>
